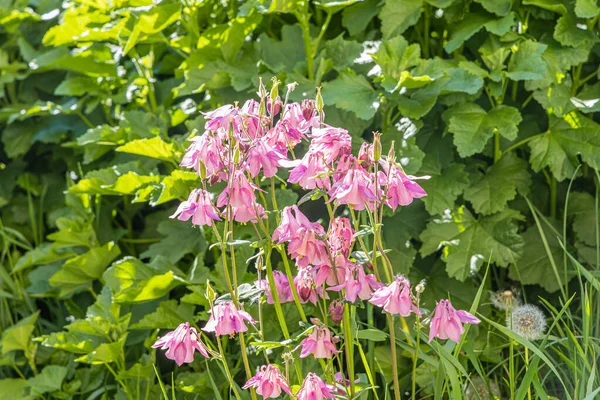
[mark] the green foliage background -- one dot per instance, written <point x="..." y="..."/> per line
<point x="497" y="100"/>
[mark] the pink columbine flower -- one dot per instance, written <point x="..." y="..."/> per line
<point x="355" y="187"/>
<point x="269" y="382"/>
<point x="240" y="195"/>
<point x="313" y="388"/>
<point x="199" y="207"/>
<point x="226" y="319"/>
<point x="356" y="283"/>
<point x="310" y="172"/>
<point x="304" y="244"/>
<point x="282" y="285"/>
<point x="306" y="287"/>
<point x="300" y="118"/>
<point x="447" y="322"/>
<point x="318" y="343"/>
<point x="181" y="344"/>
<point x="208" y="150"/>
<point x="395" y="298"/>
<point x="219" y="118"/>
<point x="340" y="238"/>
<point x="262" y="155"/>
<point x="365" y="154"/>
<point x="333" y="143"/>
<point x="401" y="188"/>
<point x="336" y="311"/>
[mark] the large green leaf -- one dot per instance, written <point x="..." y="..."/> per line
<point x="154" y="148"/>
<point x="49" y="380"/>
<point x="468" y="242"/>
<point x="351" y="92"/>
<point x="395" y="56"/>
<point x="499" y="184"/>
<point x="399" y="15"/>
<point x="583" y="208"/>
<point x="17" y="337"/>
<point x="444" y="186"/>
<point x="283" y="55"/>
<point x="168" y="316"/>
<point x="179" y="239"/>
<point x="527" y="63"/>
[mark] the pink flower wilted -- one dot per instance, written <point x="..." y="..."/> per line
<point x="199" y="207"/>
<point x="226" y="319"/>
<point x="269" y="382"/>
<point x="332" y="142"/>
<point x="240" y="195"/>
<point x="395" y="298"/>
<point x="447" y="321"/>
<point x="313" y="388"/>
<point x="318" y="343"/>
<point x="401" y="188"/>
<point x="262" y="155"/>
<point x="306" y="287"/>
<point x="336" y="311"/>
<point x="354" y="186"/>
<point x="340" y="238"/>
<point x="282" y="285"/>
<point x="356" y="283"/>
<point x="181" y="344"/>
<point x="304" y="244"/>
<point x="310" y="172"/>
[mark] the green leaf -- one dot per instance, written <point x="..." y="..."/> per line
<point x="231" y="36"/>
<point x="68" y="341"/>
<point x="586" y="8"/>
<point x="154" y="148"/>
<point x="527" y="63"/>
<point x="179" y="239"/>
<point x="556" y="98"/>
<point x="178" y="185"/>
<point x="374" y="335"/>
<point x="149" y="289"/>
<point x="559" y="147"/>
<point x="399" y="15"/>
<point x="588" y="100"/>
<point x="356" y="17"/>
<point x="556" y="6"/>
<point x="342" y="52"/>
<point x="155" y="20"/>
<point x="11" y="389"/>
<point x="468" y="242"/>
<point x="45" y="253"/>
<point x="351" y="92"/>
<point x="582" y="208"/>
<point x="465" y="29"/>
<point x="473" y="127"/>
<point x="568" y="33"/>
<point x="168" y="316"/>
<point x="499" y="184"/>
<point x="406" y="223"/>
<point x="74" y="232"/>
<point x="83" y="63"/>
<point x="285" y="54"/>
<point x="534" y="267"/>
<point x="444" y="186"/>
<point x="17" y="138"/>
<point x="395" y="56"/>
<point x="49" y="380"/>
<point x="17" y="337"/>
<point x="106" y="353"/>
<point x="500" y="7"/>
<point x="85" y="268"/>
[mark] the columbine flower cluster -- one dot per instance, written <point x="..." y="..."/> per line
<point x="242" y="145"/>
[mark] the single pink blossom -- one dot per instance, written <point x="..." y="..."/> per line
<point x="313" y="388"/>
<point x="282" y="136"/>
<point x="282" y="285"/>
<point x="269" y="382"/>
<point x="226" y="319"/>
<point x="220" y="118"/>
<point x="199" y="207"/>
<point x="242" y="199"/>
<point x="401" y="188"/>
<point x="365" y="154"/>
<point x="306" y="288"/>
<point x="340" y="238"/>
<point x="262" y="156"/>
<point x="181" y="344"/>
<point x="208" y="150"/>
<point x="447" y="322"/>
<point x="395" y="298"/>
<point x="336" y="311"/>
<point x="355" y="188"/>
<point x="300" y="118"/>
<point x="318" y="343"/>
<point x="333" y="143"/>
<point x="309" y="172"/>
<point x="356" y="283"/>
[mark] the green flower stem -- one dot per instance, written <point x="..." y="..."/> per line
<point x="349" y="347"/>
<point x="368" y="368"/>
<point x="227" y="371"/>
<point x="522" y="142"/>
<point x="416" y="359"/>
<point x="497" y="150"/>
<point x="246" y="363"/>
<point x="303" y="20"/>
<point x="288" y="272"/>
<point x="390" y="320"/>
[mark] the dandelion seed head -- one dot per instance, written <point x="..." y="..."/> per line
<point x="505" y="299"/>
<point x="528" y="321"/>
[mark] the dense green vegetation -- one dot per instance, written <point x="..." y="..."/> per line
<point x="496" y="100"/>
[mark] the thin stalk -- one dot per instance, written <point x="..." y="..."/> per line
<point x="415" y="360"/>
<point x="522" y="142"/>
<point x="288" y="272"/>
<point x="553" y="198"/>
<point x="526" y="369"/>
<point x="246" y="363"/>
<point x="227" y="371"/>
<point x="349" y="347"/>
<point x="391" y="324"/>
<point x="497" y="150"/>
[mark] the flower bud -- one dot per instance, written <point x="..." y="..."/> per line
<point x="262" y="91"/>
<point x="202" y="170"/>
<point x="274" y="89"/>
<point x="376" y="146"/>
<point x="308" y="109"/>
<point x="391" y="154"/>
<point x="210" y="293"/>
<point x="336" y="311"/>
<point x="319" y="101"/>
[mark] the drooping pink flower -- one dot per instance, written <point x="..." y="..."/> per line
<point x="356" y="283"/>
<point x="181" y="344"/>
<point x="447" y="322"/>
<point x="356" y="188"/>
<point x="282" y="285"/>
<point x="226" y="319"/>
<point x="199" y="207"/>
<point x="220" y="118"/>
<point x="306" y="288"/>
<point x="318" y="343"/>
<point x="269" y="382"/>
<point x="282" y="136"/>
<point x="332" y="142"/>
<point x="305" y="246"/>
<point x="309" y="172"/>
<point x="262" y="156"/>
<point x="340" y="238"/>
<point x="208" y="150"/>
<point x="300" y="118"/>
<point x="240" y="196"/>
<point x="395" y="298"/>
<point x="336" y="311"/>
<point x="313" y="388"/>
<point x="401" y="188"/>
<point x="365" y="154"/>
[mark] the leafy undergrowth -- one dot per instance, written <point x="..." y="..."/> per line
<point x="496" y="101"/>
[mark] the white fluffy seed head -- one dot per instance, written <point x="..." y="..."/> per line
<point x="528" y="321"/>
<point x="505" y="299"/>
